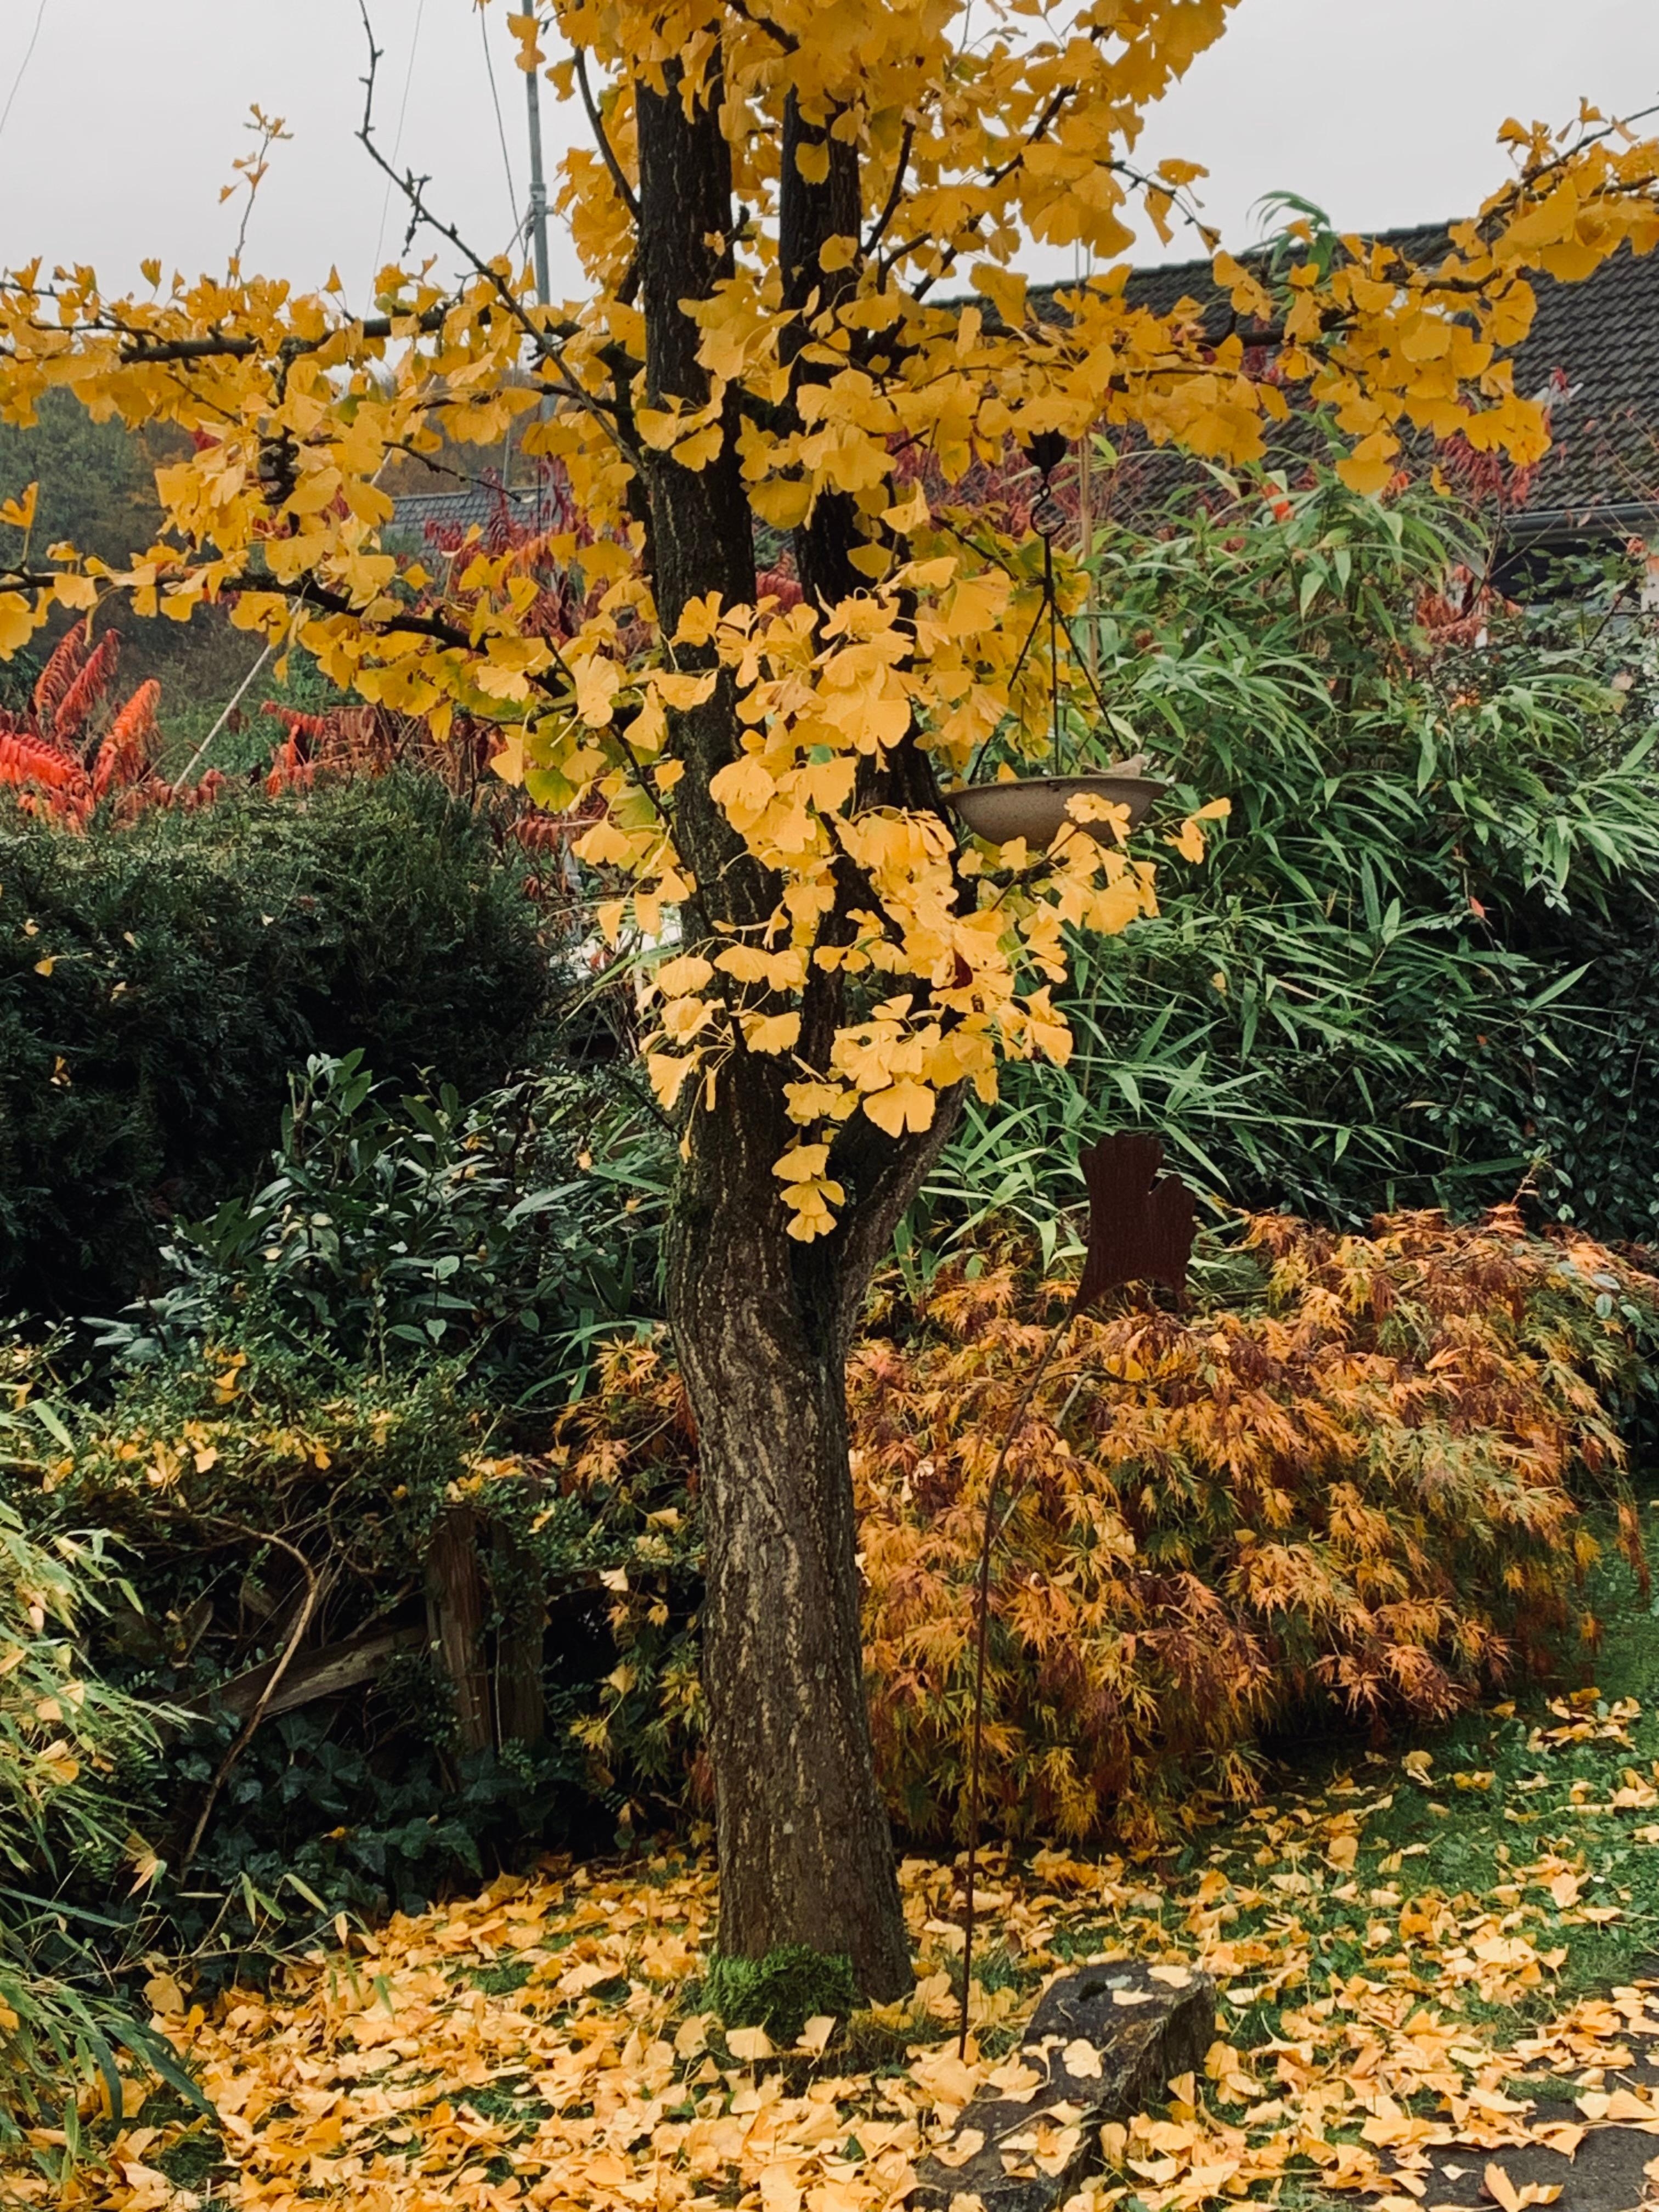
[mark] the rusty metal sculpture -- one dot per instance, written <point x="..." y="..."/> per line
<point x="1140" y="1223"/>
<point x="1140" y="1230"/>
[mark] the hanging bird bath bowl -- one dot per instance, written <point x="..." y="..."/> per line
<point x="1035" y="807"/>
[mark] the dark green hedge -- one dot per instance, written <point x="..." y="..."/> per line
<point x="159" y="983"/>
<point x="1596" y="1096"/>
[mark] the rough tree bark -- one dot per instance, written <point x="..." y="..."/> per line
<point x="762" y="1328"/>
<point x="763" y="1324"/>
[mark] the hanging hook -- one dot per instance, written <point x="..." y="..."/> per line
<point x="1047" y="449"/>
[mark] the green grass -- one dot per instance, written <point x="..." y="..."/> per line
<point x="502" y="1978"/>
<point x="1474" y="1844"/>
<point x="193" y="2160"/>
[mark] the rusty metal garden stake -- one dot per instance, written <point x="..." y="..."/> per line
<point x="982" y="1602"/>
<point x="1140" y="1230"/>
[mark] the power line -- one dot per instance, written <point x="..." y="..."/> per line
<point x="500" y="126"/>
<point x="23" y="69"/>
<point x="397" y="144"/>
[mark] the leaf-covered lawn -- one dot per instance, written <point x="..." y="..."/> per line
<point x="1410" y="1953"/>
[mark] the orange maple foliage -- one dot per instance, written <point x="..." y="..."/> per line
<point x="1354" y="1483"/>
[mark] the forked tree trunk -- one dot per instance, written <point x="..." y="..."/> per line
<point x="761" y="1323"/>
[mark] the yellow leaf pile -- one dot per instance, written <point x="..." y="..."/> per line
<point x="542" y="2044"/>
<point x="1352" y="1485"/>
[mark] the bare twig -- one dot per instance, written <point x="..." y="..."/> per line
<point x="244" y="1734"/>
<point x="546" y="341"/>
<point x="235" y="701"/>
<point x="252" y="169"/>
<point x="895" y="191"/>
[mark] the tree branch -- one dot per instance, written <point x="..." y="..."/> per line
<point x="786" y="39"/>
<point x="308" y="1605"/>
<point x="142" y="347"/>
<point x="544" y="341"/>
<point x="596" y="124"/>
<point x="887" y="1173"/>
<point x="895" y="193"/>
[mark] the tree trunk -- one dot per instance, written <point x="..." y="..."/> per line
<point x="762" y="1323"/>
<point x="804" y="1852"/>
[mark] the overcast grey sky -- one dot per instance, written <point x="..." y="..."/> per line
<point x="129" y="114"/>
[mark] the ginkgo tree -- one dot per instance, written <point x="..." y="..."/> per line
<point x="801" y="222"/>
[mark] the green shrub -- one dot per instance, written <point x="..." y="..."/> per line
<point x="158" y="983"/>
<point x="265" y="1503"/>
<point x="1595" y="1111"/>
<point x="388" y="1235"/>
<point x="329" y="1426"/>
<point x="73" y="1755"/>
<point x="67" y="1741"/>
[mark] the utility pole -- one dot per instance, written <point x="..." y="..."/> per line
<point x="537" y="184"/>
<point x="532" y="93"/>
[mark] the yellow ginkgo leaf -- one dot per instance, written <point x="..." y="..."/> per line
<point x="688" y="971"/>
<point x="906" y="1105"/>
<point x="771" y="1032"/>
<point x="17" y="624"/>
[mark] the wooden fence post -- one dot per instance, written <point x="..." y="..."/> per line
<point x="455" y="1613"/>
<point x="521" y="1606"/>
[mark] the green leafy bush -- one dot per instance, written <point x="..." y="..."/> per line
<point x="324" y="1446"/>
<point x="1597" y="1108"/>
<point x="73" y="1751"/>
<point x="391" y="1234"/>
<point x="158" y="983"/>
<point x="270" y="1507"/>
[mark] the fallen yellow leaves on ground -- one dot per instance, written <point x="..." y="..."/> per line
<point x="541" y="2044"/>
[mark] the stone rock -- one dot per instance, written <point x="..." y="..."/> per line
<point x="1105" y="2043"/>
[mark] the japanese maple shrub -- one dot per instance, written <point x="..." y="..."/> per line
<point x="1345" y="1489"/>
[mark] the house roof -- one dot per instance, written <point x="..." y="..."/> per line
<point x="1593" y="348"/>
<point x="419" y="513"/>
<point x="1593" y="344"/>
